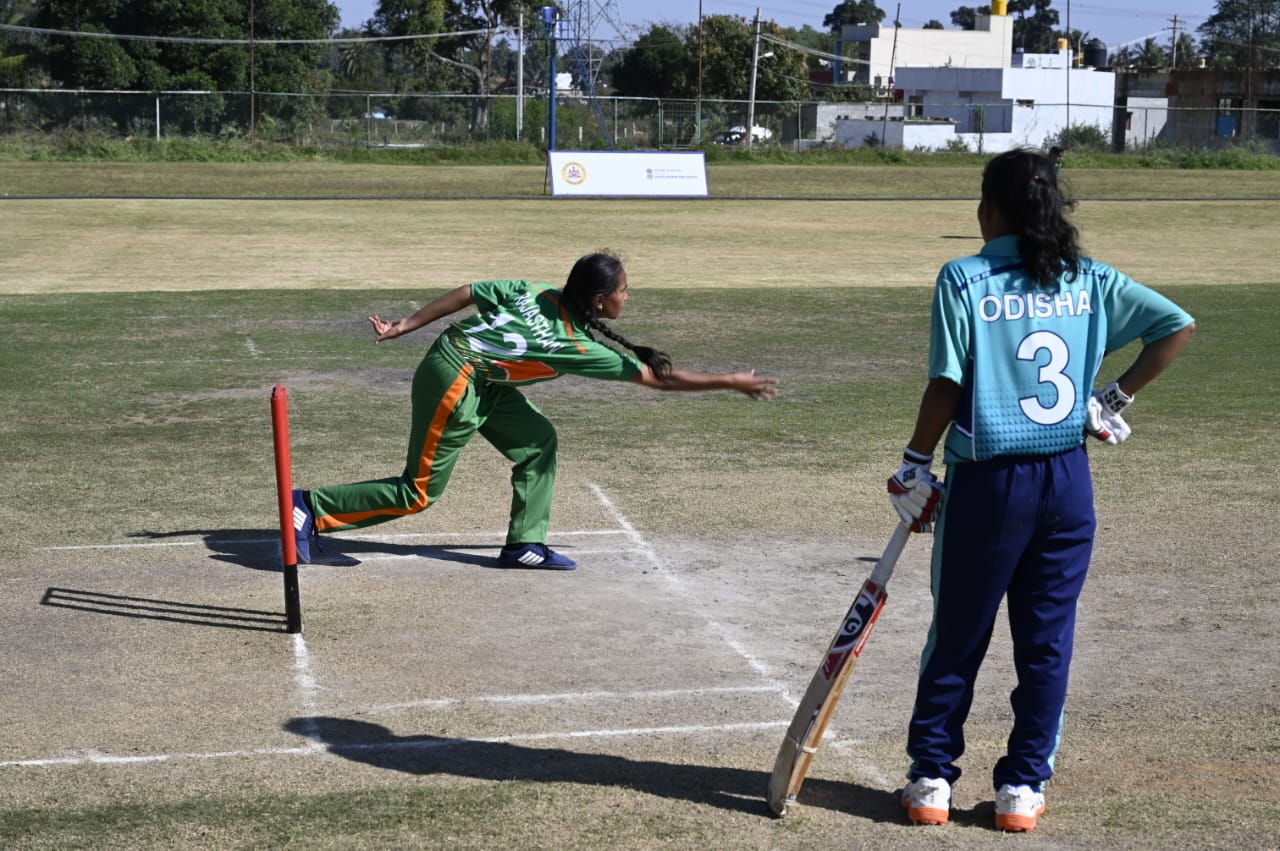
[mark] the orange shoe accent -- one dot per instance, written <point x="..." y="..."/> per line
<point x="927" y="815"/>
<point x="1018" y="823"/>
<point x="924" y="815"/>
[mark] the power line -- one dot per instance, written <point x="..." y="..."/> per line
<point x="176" y="39"/>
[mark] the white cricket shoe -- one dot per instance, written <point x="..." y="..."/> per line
<point x="927" y="800"/>
<point x="1018" y="807"/>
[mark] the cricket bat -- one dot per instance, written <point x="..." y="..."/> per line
<point x="819" y="701"/>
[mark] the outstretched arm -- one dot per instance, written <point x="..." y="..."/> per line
<point x="447" y="304"/>
<point x="746" y="383"/>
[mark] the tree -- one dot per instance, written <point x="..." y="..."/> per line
<point x="465" y="46"/>
<point x="1151" y="55"/>
<point x="934" y="24"/>
<point x="849" y="12"/>
<point x="361" y="62"/>
<point x="727" y="55"/>
<point x="287" y="67"/>
<point x="15" y="51"/>
<point x="1242" y="34"/>
<point x="1185" y="52"/>
<point x="658" y="65"/>
<point x="819" y="40"/>
<point x="100" y="63"/>
<point x="1037" y="32"/>
<point x="966" y="17"/>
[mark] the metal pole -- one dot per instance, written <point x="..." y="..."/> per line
<point x="520" y="78"/>
<point x="252" y="105"/>
<point x="550" y="16"/>
<point x="1063" y="140"/>
<point x="893" y="59"/>
<point x="157" y="118"/>
<point x="755" y="62"/>
<point x="697" y="111"/>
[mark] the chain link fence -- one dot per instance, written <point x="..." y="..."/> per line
<point x="341" y="119"/>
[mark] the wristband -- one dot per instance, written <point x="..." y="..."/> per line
<point x="912" y="457"/>
<point x="1115" y="398"/>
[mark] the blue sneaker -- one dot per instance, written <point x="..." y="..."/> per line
<point x="304" y="528"/>
<point x="534" y="555"/>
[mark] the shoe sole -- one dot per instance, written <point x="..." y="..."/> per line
<point x="521" y="566"/>
<point x="927" y="815"/>
<point x="1018" y="824"/>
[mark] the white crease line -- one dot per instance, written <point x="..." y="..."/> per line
<point x="832" y="734"/>
<point x="305" y="683"/>
<point x="318" y="747"/>
<point x="568" y="697"/>
<point x="638" y="540"/>
<point x="365" y="558"/>
<point x="573" y="533"/>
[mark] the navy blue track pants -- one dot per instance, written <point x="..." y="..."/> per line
<point x="1020" y="527"/>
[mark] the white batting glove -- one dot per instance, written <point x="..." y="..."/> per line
<point x="1103" y="419"/>
<point x="914" y="492"/>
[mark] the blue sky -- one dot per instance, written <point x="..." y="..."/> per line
<point x="1115" y="24"/>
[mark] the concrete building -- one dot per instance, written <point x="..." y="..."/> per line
<point x="881" y="50"/>
<point x="968" y="89"/>
<point x="1197" y="108"/>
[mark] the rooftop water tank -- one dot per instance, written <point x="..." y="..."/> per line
<point x="1095" y="53"/>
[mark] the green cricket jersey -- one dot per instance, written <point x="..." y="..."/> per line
<point x="524" y="333"/>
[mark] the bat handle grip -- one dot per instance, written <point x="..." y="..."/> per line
<point x="884" y="567"/>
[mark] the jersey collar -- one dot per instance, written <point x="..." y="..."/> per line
<point x="1002" y="246"/>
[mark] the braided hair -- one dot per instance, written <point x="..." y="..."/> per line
<point x="1022" y="186"/>
<point x="596" y="276"/>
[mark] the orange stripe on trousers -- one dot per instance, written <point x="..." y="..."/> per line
<point x="429" y="447"/>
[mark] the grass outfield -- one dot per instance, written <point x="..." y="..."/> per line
<point x="725" y="180"/>
<point x="141" y="340"/>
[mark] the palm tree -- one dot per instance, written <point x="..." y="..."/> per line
<point x="361" y="61"/>
<point x="13" y="56"/>
<point x="1152" y="55"/>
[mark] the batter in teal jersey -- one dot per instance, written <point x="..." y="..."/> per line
<point x="468" y="383"/>
<point x="1019" y="332"/>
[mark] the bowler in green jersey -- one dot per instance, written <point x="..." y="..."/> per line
<point x="523" y="332"/>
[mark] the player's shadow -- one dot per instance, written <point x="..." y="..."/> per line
<point x="259" y="549"/>
<point x="726" y="788"/>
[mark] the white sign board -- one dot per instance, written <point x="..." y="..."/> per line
<point x="627" y="173"/>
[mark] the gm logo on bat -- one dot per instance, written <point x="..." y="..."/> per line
<point x="851" y="636"/>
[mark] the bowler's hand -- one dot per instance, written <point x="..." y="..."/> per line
<point x="760" y="387"/>
<point x="386" y="330"/>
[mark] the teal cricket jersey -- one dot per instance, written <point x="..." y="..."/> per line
<point x="1027" y="357"/>
<point x="524" y="334"/>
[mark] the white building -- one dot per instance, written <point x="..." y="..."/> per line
<point x="881" y="50"/>
<point x="968" y="88"/>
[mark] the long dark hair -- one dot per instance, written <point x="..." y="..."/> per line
<point x="596" y="276"/>
<point x="1022" y="186"/>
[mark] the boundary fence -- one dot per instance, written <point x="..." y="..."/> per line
<point x="345" y="119"/>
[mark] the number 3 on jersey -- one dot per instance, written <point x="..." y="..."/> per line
<point x="518" y="344"/>
<point x="1051" y="373"/>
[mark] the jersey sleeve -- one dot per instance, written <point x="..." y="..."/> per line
<point x="595" y="360"/>
<point x="1134" y="311"/>
<point x="949" y="337"/>
<point x="488" y="295"/>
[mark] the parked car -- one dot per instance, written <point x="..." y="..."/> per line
<point x="728" y="138"/>
<point x="737" y="134"/>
